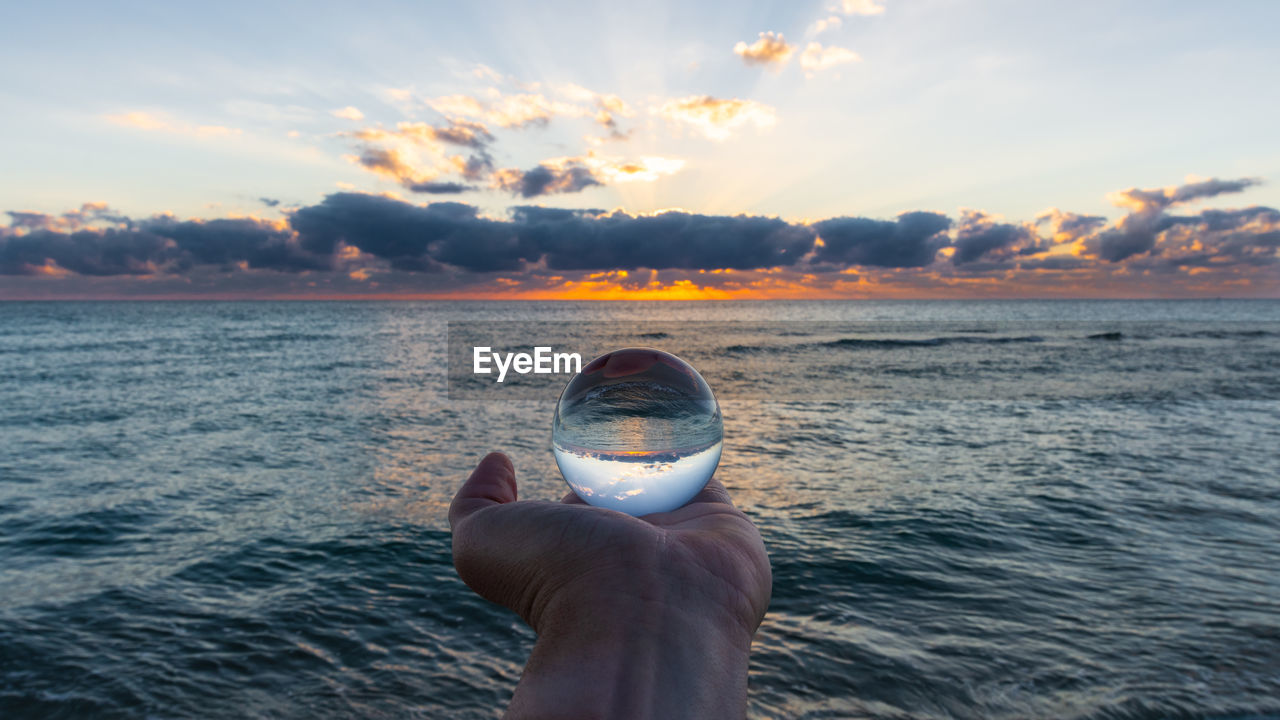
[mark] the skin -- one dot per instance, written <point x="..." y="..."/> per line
<point x="648" y="617"/>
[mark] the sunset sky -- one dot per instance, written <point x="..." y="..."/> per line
<point x="665" y="150"/>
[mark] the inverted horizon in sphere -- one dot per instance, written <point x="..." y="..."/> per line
<point x="638" y="430"/>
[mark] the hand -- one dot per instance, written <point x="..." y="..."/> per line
<point x="643" y="617"/>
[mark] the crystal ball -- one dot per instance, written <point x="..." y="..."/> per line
<point x="638" y="430"/>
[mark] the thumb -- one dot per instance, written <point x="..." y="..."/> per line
<point x="493" y="482"/>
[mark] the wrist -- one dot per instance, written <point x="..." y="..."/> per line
<point x="650" y="654"/>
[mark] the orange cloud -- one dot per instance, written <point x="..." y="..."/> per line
<point x="769" y="49"/>
<point x="715" y="117"/>
<point x="507" y="111"/>
<point x="860" y="7"/>
<point x="607" y="107"/>
<point x="824" y="24"/>
<point x="161" y="123"/>
<point x="49" y="269"/>
<point x="415" y="154"/>
<point x="816" y="58"/>
<point x="348" y="113"/>
<point x="612" y="169"/>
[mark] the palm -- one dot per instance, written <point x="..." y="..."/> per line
<point x="532" y="555"/>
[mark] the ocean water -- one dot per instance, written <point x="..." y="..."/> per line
<point x="972" y="509"/>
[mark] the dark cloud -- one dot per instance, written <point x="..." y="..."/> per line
<point x="1055" y="262"/>
<point x="1137" y="232"/>
<point x="1246" y="236"/>
<point x="440" y="188"/>
<point x="385" y="162"/>
<point x="1118" y="244"/>
<point x="546" y="180"/>
<point x="85" y="252"/>
<point x="578" y="240"/>
<point x="452" y="241"/>
<point x="1069" y="226"/>
<point x="269" y="202"/>
<point x="980" y="236"/>
<point x="477" y="166"/>
<point x="93" y="213"/>
<point x="463" y="133"/>
<point x="228" y="242"/>
<point x="1161" y="198"/>
<point x="411" y="237"/>
<point x="910" y="241"/>
<point x="157" y="245"/>
<point x="1074" y="223"/>
<point x="1219" y="220"/>
<point x="30" y="220"/>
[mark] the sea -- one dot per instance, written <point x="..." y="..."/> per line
<point x="973" y="509"/>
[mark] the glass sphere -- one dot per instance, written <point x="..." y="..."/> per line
<point x="638" y="430"/>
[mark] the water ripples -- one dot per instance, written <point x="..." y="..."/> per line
<point x="238" y="510"/>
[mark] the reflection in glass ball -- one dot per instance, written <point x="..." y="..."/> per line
<point x="638" y="430"/>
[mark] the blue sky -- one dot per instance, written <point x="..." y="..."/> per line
<point x="1012" y="108"/>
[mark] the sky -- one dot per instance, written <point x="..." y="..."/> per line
<point x="657" y="150"/>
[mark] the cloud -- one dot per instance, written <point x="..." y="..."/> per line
<point x="859" y="7"/>
<point x="981" y="237"/>
<point x="521" y="110"/>
<point x="506" y="111"/>
<point x="715" y="117"/>
<point x="411" y="238"/>
<point x="816" y="58"/>
<point x="437" y="238"/>
<point x="1217" y="238"/>
<point x="460" y="133"/>
<point x="611" y="169"/>
<point x="350" y="241"/>
<point x="162" y="123"/>
<point x="112" y="251"/>
<point x="484" y="72"/>
<point x="159" y="244"/>
<point x="347" y="113"/>
<point x="1055" y="262"/>
<point x="824" y="24"/>
<point x="398" y="95"/>
<point x="570" y="240"/>
<point x="269" y="202"/>
<point x="389" y="162"/>
<point x="1138" y="231"/>
<point x="226" y="242"/>
<point x="573" y="174"/>
<point x="440" y="188"/>
<point x="913" y="240"/>
<point x="768" y="49"/>
<point x="1068" y="227"/>
<point x="416" y="154"/>
<point x="87" y="215"/>
<point x="1146" y="201"/>
<point x="607" y="108"/>
<point x="546" y="179"/>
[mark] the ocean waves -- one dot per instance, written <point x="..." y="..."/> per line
<point x="972" y="510"/>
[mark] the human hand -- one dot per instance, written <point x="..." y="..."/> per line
<point x="649" y="616"/>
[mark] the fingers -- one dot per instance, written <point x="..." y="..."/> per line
<point x="713" y="492"/>
<point x="572" y="499"/>
<point x="493" y="482"/>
